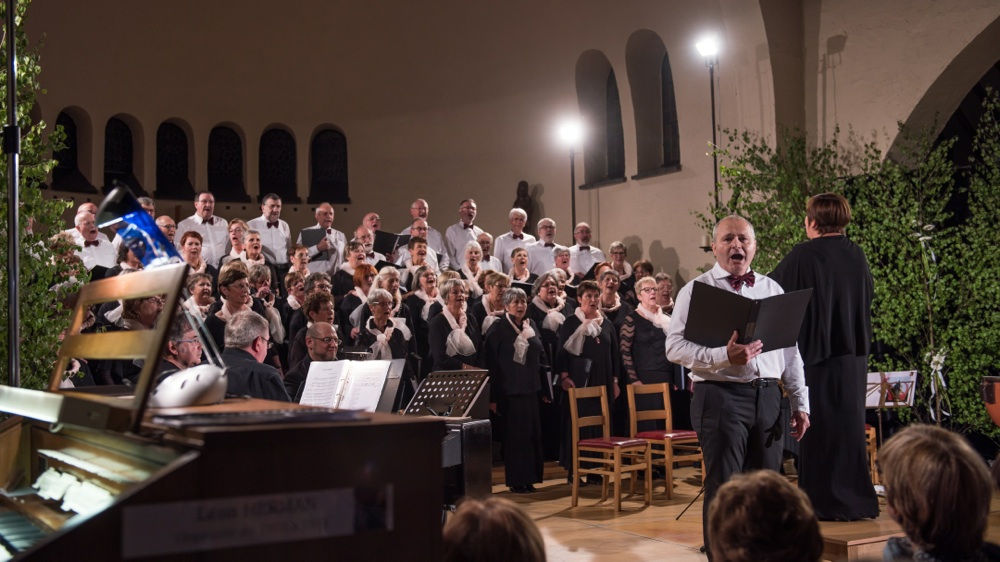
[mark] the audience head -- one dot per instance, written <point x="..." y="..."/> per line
<point x="760" y="517"/>
<point x="318" y="282"/>
<point x="144" y="310"/>
<point x="518" y="219"/>
<point x="582" y="234"/>
<point x="547" y="230"/>
<point x="938" y="489"/>
<point x="321" y="341"/>
<point x="467" y="210"/>
<point x="147" y="205"/>
<point x="364" y="276"/>
<point x="324" y="215"/>
<point x="827" y="213"/>
<point x="248" y="331"/>
<point x="319" y="308"/>
<point x="270" y="207"/>
<point x="419" y="209"/>
<point x="734" y="244"/>
<point x="183" y="346"/>
<point x="204" y="204"/>
<point x="167" y="226"/>
<point x="494" y="529"/>
<point x="86" y="225"/>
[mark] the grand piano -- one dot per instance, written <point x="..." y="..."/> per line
<point x="102" y="477"/>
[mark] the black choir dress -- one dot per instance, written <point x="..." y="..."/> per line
<point x="515" y="388"/>
<point x="644" y="356"/>
<point x="420" y="327"/>
<point x="437" y="336"/>
<point x="834" y="343"/>
<point x="550" y="411"/>
<point x="617" y="318"/>
<point x="602" y="352"/>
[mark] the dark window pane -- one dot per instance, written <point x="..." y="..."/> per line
<point x="328" y="163"/>
<point x="225" y="165"/>
<point x="277" y="165"/>
<point x="173" y="180"/>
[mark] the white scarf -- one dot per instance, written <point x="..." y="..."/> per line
<point x="458" y="342"/>
<point x="346" y="266"/>
<point x="527" y="275"/>
<point x="192" y="307"/>
<point x="521" y="343"/>
<point x="491" y="314"/>
<point x="473" y="280"/>
<point x="115" y="314"/>
<point x="553" y="317"/>
<point x="614" y="307"/>
<point x="293" y="302"/>
<point x="589" y="327"/>
<point x="380" y="349"/>
<point x="224" y="313"/>
<point x="658" y="318"/>
<point x="126" y="267"/>
<point x="356" y="291"/>
<point x="428" y="301"/>
<point x="249" y="262"/>
<point x="200" y="269"/>
<point x="626" y="274"/>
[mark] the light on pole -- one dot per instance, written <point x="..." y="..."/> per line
<point x="570" y="134"/>
<point x="709" y="48"/>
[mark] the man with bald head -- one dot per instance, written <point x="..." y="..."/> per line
<point x="321" y="345"/>
<point x="542" y="254"/>
<point x="366" y="236"/>
<point x="516" y="238"/>
<point x="419" y="228"/>
<point x="214" y="230"/>
<point x="420" y="209"/>
<point x="327" y="252"/>
<point x="461" y="233"/>
<point x="167" y="226"/>
<point x="583" y="256"/>
<point x="736" y="409"/>
<point x="93" y="251"/>
<point x="90" y="208"/>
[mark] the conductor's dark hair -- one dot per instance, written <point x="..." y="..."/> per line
<point x="830" y="211"/>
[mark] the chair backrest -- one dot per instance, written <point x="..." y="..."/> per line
<point x="635" y="415"/>
<point x="603" y="420"/>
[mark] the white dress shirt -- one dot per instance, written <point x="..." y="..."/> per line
<point x="712" y="363"/>
<point x="329" y="261"/>
<point x="541" y="258"/>
<point x="491" y="262"/>
<point x="456" y="238"/>
<point x="504" y="244"/>
<point x="435" y="242"/>
<point x="431" y="259"/>
<point x="103" y="254"/>
<point x="581" y="259"/>
<point x="275" y="241"/>
<point x="214" y="237"/>
<point x="78" y="238"/>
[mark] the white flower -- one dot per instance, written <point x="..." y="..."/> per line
<point x="928" y="227"/>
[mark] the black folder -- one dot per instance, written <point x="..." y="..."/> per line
<point x="715" y="313"/>
<point x="387" y="242"/>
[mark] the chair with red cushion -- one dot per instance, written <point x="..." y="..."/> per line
<point x="617" y="455"/>
<point x="668" y="445"/>
<point x="871" y="444"/>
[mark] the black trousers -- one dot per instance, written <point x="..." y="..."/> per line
<point x="739" y="428"/>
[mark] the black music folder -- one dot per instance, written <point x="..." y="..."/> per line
<point x="386" y="242"/>
<point x="715" y="313"/>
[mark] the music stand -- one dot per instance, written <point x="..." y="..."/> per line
<point x="448" y="393"/>
<point x="889" y="389"/>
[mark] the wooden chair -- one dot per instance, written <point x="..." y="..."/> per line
<point x="617" y="454"/>
<point x="871" y="444"/>
<point x="668" y="446"/>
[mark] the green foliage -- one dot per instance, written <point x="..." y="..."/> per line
<point x="937" y="279"/>
<point x="41" y="268"/>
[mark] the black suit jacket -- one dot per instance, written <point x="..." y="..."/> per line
<point x="247" y="377"/>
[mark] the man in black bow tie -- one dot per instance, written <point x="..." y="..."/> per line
<point x="516" y="238"/>
<point x="275" y="235"/>
<point x="214" y="230"/>
<point x="583" y="256"/>
<point x="461" y="233"/>
<point x="736" y="409"/>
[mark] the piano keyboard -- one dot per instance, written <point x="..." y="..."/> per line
<point x="17" y="533"/>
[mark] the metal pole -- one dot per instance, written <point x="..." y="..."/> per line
<point x="572" y="185"/>
<point x="715" y="157"/>
<point x="12" y="146"/>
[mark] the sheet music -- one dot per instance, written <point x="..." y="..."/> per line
<point x="364" y="387"/>
<point x="323" y="383"/>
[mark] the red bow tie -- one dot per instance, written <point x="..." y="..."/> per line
<point x="517" y="236"/>
<point x="329" y="231"/>
<point x="89" y="243"/>
<point x="550" y="245"/>
<point x="584" y="248"/>
<point x="209" y="222"/>
<point x="466" y="226"/>
<point x="272" y="224"/>
<point x="371" y="255"/>
<point x="738" y="281"/>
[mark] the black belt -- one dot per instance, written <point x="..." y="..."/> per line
<point x="762" y="382"/>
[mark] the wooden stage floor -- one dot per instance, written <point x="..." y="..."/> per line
<point x="594" y="532"/>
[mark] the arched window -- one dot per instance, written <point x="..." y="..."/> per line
<point x="614" y="130"/>
<point x="651" y="82"/>
<point x="328" y="167"/>
<point x="225" y="165"/>
<point x="277" y="165"/>
<point x="173" y="180"/>
<point x="600" y="107"/>
<point x="66" y="176"/>
<point x="119" y="150"/>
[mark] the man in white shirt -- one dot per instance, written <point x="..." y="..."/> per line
<point x="419" y="228"/>
<point x="419" y="209"/>
<point x="167" y="226"/>
<point x="489" y="261"/>
<point x="373" y="221"/>
<point x="327" y="253"/>
<point x="736" y="409"/>
<point x="275" y="235"/>
<point x="505" y="243"/>
<point x="460" y="234"/>
<point x="542" y="254"/>
<point x="583" y="256"/>
<point x="93" y="252"/>
<point x="366" y="236"/>
<point x="214" y="230"/>
<point x="75" y="233"/>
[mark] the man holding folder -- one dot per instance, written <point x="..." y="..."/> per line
<point x="736" y="409"/>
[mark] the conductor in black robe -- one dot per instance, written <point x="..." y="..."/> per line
<point x="834" y="341"/>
